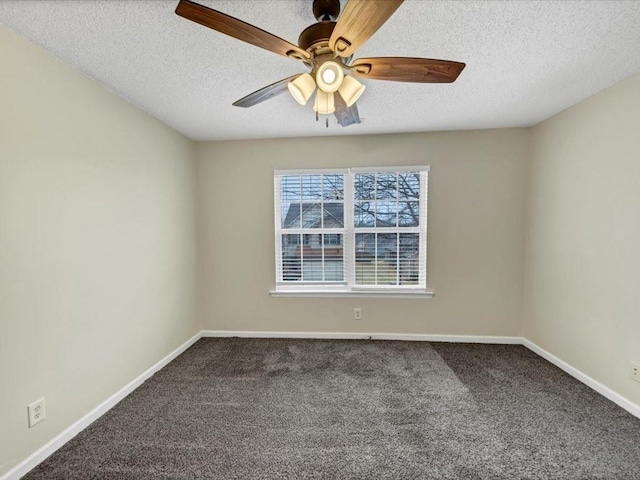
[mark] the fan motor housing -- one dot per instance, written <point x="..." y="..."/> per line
<point x="326" y="9"/>
<point x="316" y="33"/>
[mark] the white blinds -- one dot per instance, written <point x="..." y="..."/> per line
<point x="390" y="218"/>
<point x="360" y="228"/>
<point x="310" y="227"/>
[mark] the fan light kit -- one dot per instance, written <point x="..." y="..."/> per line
<point x="324" y="103"/>
<point x="327" y="47"/>
<point x="302" y="88"/>
<point x="329" y="76"/>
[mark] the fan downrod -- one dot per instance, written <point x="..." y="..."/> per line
<point x="326" y="10"/>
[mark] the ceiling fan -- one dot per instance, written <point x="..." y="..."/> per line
<point x="327" y="48"/>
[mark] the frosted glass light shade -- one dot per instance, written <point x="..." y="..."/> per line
<point x="351" y="89"/>
<point x="324" y="103"/>
<point x="301" y="88"/>
<point x="329" y="76"/>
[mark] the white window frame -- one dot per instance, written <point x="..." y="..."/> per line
<point x="348" y="286"/>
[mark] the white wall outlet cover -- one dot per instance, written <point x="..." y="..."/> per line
<point x="634" y="371"/>
<point x="37" y="412"/>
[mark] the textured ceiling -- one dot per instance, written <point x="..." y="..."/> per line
<point x="526" y="60"/>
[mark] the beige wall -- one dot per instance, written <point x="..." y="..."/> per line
<point x="97" y="263"/>
<point x="583" y="237"/>
<point x="475" y="238"/>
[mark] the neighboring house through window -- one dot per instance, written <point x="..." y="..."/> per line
<point x="351" y="230"/>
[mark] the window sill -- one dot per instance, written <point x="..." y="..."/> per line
<point x="360" y="294"/>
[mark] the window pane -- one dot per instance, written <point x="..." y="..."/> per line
<point x="363" y="214"/>
<point x="409" y="214"/>
<point x="333" y="258"/>
<point x="332" y="239"/>
<point x="386" y="186"/>
<point x="290" y="199"/>
<point x="311" y="215"/>
<point x="291" y="258"/>
<point x="311" y="187"/>
<point x="333" y="187"/>
<point x="409" y="185"/>
<point x="333" y="215"/>
<point x="409" y="253"/>
<point x="291" y="215"/>
<point x="290" y="188"/>
<point x="387" y="259"/>
<point x="365" y="268"/>
<point x="364" y="186"/>
<point x="386" y="215"/>
<point x="312" y="258"/>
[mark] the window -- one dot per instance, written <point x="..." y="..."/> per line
<point x="351" y="231"/>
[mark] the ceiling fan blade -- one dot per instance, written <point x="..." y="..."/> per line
<point x="407" y="69"/>
<point x="345" y="115"/>
<point x="265" y="93"/>
<point x="238" y="29"/>
<point x="358" y="21"/>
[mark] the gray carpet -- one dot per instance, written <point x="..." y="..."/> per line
<point x="314" y="409"/>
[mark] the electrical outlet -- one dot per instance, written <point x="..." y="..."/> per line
<point x="634" y="372"/>
<point x="357" y="314"/>
<point x="37" y="412"/>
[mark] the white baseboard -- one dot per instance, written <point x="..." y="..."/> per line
<point x="50" y="447"/>
<point x="603" y="390"/>
<point x="411" y="337"/>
